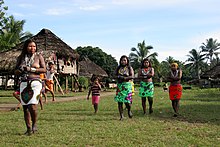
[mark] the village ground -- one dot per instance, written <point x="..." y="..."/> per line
<point x="12" y="105"/>
<point x="73" y="123"/>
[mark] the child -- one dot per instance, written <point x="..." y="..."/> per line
<point x="95" y="88"/>
<point x="16" y="95"/>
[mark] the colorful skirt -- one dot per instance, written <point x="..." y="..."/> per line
<point x="124" y="92"/>
<point x="30" y="91"/>
<point x="146" y="89"/>
<point x="175" y="91"/>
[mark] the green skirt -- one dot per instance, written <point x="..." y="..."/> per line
<point x="124" y="92"/>
<point x="146" y="89"/>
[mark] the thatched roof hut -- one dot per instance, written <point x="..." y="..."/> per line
<point x="47" y="42"/>
<point x="89" y="68"/>
<point x="213" y="73"/>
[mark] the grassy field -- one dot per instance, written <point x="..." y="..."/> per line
<point x="75" y="124"/>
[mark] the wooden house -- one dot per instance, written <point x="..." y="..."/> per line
<point x="51" y="47"/>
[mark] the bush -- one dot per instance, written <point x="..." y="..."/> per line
<point x="84" y="82"/>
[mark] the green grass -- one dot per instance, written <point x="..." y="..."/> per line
<point x="74" y="123"/>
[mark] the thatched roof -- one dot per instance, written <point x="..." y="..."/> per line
<point x="46" y="41"/>
<point x="89" y="68"/>
<point x="212" y="73"/>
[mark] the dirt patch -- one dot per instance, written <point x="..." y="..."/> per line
<point x="12" y="107"/>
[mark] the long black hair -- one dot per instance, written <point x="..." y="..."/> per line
<point x="142" y="63"/>
<point x="24" y="51"/>
<point x="128" y="63"/>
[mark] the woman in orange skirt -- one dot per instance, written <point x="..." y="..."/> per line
<point x="175" y="88"/>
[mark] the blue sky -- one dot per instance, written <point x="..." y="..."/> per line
<point x="172" y="27"/>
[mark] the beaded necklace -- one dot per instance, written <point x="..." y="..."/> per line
<point x="29" y="60"/>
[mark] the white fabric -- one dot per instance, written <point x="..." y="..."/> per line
<point x="36" y="87"/>
<point x="49" y="75"/>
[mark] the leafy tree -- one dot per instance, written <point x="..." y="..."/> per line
<point x="11" y="32"/>
<point x="195" y="60"/>
<point x="138" y="54"/>
<point x="170" y="60"/>
<point x="210" y="48"/>
<point x="105" y="61"/>
<point x="3" y="10"/>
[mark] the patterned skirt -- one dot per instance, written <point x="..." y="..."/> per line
<point x="146" y="89"/>
<point x="124" y="92"/>
<point x="30" y="91"/>
<point x="175" y="91"/>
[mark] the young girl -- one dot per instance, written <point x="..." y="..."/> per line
<point x="146" y="72"/>
<point x="175" y="88"/>
<point x="95" y="88"/>
<point x="124" y="74"/>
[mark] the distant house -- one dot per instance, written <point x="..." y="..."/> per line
<point x="51" y="47"/>
<point x="211" y="77"/>
<point x="88" y="68"/>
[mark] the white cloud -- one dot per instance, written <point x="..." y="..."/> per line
<point x="202" y="37"/>
<point x="18" y="14"/>
<point x="150" y="3"/>
<point x="25" y="5"/>
<point x="58" y="11"/>
<point x="91" y="8"/>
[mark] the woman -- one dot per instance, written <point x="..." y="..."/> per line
<point x="175" y="88"/>
<point x="145" y="74"/>
<point x="29" y="66"/>
<point x="124" y="74"/>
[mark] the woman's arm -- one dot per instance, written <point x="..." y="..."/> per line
<point x="150" y="74"/>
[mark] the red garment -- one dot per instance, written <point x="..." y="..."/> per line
<point x="175" y="91"/>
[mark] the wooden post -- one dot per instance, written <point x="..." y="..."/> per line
<point x="72" y="82"/>
<point x="66" y="87"/>
<point x="58" y="84"/>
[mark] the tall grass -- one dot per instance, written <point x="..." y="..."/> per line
<point x="75" y="124"/>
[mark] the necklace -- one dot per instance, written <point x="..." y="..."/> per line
<point x="146" y="71"/>
<point x="174" y="74"/>
<point x="123" y="71"/>
<point x="29" y="60"/>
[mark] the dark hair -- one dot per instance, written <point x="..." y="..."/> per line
<point x="142" y="63"/>
<point x="128" y="63"/>
<point x="24" y="51"/>
<point x="124" y="56"/>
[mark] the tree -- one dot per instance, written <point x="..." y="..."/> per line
<point x="11" y="32"/>
<point x="138" y="54"/>
<point x="210" y="48"/>
<point x="195" y="60"/>
<point x="96" y="55"/>
<point x="3" y="10"/>
<point x="170" y="60"/>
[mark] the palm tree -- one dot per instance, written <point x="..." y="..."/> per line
<point x="210" y="47"/>
<point x="170" y="59"/>
<point x="141" y="52"/>
<point x="195" y="60"/>
<point x="12" y="33"/>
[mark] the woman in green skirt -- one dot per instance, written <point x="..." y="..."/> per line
<point x="145" y="74"/>
<point x="124" y="74"/>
